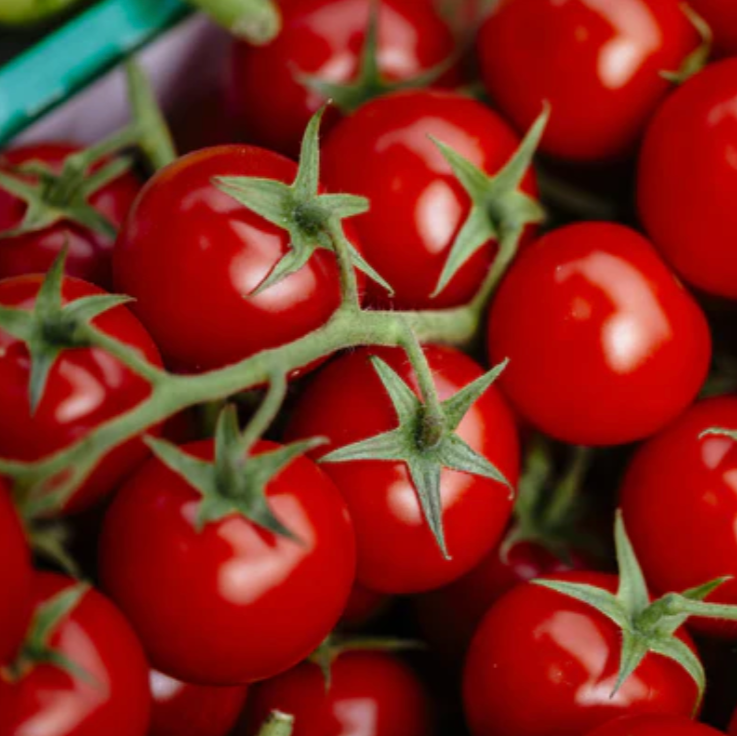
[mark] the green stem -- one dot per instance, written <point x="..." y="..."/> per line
<point x="277" y="724"/>
<point x="257" y="21"/>
<point x="348" y="280"/>
<point x="264" y="415"/>
<point x="568" y="489"/>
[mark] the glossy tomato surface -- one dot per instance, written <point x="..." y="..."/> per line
<point x="191" y="256"/>
<point x="686" y="201"/>
<point x="544" y="664"/>
<point x="231" y="603"/>
<point x="112" y="699"/>
<point x="183" y="709"/>
<point x="85" y="388"/>
<point x="605" y="345"/>
<point x="16" y="577"/>
<point x="721" y="15"/>
<point x="385" y="152"/>
<point x="597" y="62"/>
<point x="654" y="725"/>
<point x="88" y="252"/>
<point x="370" y="694"/>
<point x="380" y="495"/>
<point x="683" y="487"/>
<point x="324" y="39"/>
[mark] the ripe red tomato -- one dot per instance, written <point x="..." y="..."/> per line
<point x="654" y="725"/>
<point x="542" y="663"/>
<point x="686" y="477"/>
<point x="324" y="39"/>
<point x="86" y="387"/>
<point x="686" y="201"/>
<point x="110" y="694"/>
<point x="88" y="252"/>
<point x="605" y="345"/>
<point x="370" y="694"/>
<point x="183" y="709"/>
<point x="16" y="575"/>
<point x="384" y="152"/>
<point x="215" y="252"/>
<point x="721" y="15"/>
<point x="229" y="591"/>
<point x="380" y="495"/>
<point x="597" y="62"/>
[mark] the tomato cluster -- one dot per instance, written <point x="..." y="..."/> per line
<point x="334" y="420"/>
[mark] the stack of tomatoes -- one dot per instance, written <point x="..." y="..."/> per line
<point x="198" y="578"/>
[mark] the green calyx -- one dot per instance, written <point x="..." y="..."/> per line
<point x="699" y="57"/>
<point x="313" y="220"/>
<point x="369" y="82"/>
<point x="426" y="439"/>
<point x="499" y="209"/>
<point x="648" y="627"/>
<point x="53" y="327"/>
<point x="255" y="21"/>
<point x="277" y="724"/>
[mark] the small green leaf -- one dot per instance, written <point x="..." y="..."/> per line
<point x="598" y="598"/>
<point x="680" y="653"/>
<point x="405" y="403"/>
<point x="632" y="592"/>
<point x="458" y="405"/>
<point x="43" y="359"/>
<point x="425" y="476"/>
<point x="455" y="454"/>
<point x="268" y="198"/>
<point x="52" y="612"/>
<point x="387" y="446"/>
<point x="634" y="649"/>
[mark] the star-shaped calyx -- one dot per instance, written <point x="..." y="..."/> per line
<point x="369" y="82"/>
<point x="52" y="327"/>
<point x="426" y="442"/>
<point x="234" y="482"/>
<point x="499" y="209"/>
<point x="648" y="626"/>
<point x="313" y="220"/>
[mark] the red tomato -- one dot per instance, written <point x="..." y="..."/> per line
<point x="654" y="725"/>
<point x="88" y="252"/>
<point x="450" y="615"/>
<point x="324" y="39"/>
<point x="16" y="575"/>
<point x="687" y="201"/>
<point x="112" y="700"/>
<point x="380" y="495"/>
<point x="215" y="252"/>
<point x="686" y="478"/>
<point x="605" y="345"/>
<point x="721" y="15"/>
<point x="597" y="62"/>
<point x="733" y="725"/>
<point x="542" y="663"/>
<point x="182" y="709"/>
<point x="371" y="694"/>
<point x="235" y="604"/>
<point x="384" y="152"/>
<point x="86" y="387"/>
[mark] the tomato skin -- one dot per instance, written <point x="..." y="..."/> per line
<point x="543" y="664"/>
<point x="609" y="349"/>
<point x="371" y="694"/>
<point x="88" y="253"/>
<point x="183" y="709"/>
<point x="654" y="725"/>
<point x="699" y="120"/>
<point x="363" y="605"/>
<point x="721" y="15"/>
<point x="597" y="62"/>
<point x="214" y="252"/>
<point x="16" y="578"/>
<point x="733" y="725"/>
<point x="85" y="388"/>
<point x="97" y="638"/>
<point x="324" y="38"/>
<point x="384" y="152"/>
<point x="235" y="605"/>
<point x="687" y="478"/>
<point x="380" y="495"/>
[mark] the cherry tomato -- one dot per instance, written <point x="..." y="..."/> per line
<point x="85" y="388"/>
<point x="380" y="495"/>
<point x="542" y="663"/>
<point x="721" y="15"/>
<point x="597" y="62"/>
<point x="605" y="345"/>
<point x="654" y="725"/>
<point x="182" y="709"/>
<point x="235" y="604"/>
<point x="215" y="252"/>
<point x="370" y="694"/>
<point x="686" y="201"/>
<point x="16" y="576"/>
<point x="108" y="696"/>
<point x="384" y="152"/>
<point x="685" y="477"/>
<point x="88" y="252"/>
<point x="324" y="39"/>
